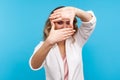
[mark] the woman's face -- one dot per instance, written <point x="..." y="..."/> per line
<point x="64" y="23"/>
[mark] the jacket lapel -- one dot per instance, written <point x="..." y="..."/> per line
<point x="68" y="56"/>
<point x="59" y="59"/>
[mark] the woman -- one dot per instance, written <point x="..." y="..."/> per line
<point x="61" y="51"/>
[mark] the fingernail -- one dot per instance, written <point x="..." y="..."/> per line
<point x="74" y="30"/>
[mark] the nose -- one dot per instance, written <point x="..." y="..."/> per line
<point x="65" y="25"/>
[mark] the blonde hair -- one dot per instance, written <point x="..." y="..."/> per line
<point x="48" y="26"/>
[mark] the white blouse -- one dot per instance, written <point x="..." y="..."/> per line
<point x="53" y="64"/>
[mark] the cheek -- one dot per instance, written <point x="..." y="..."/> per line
<point x="70" y="26"/>
<point x="58" y="26"/>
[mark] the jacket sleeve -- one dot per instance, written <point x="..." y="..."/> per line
<point x="36" y="48"/>
<point x="85" y="30"/>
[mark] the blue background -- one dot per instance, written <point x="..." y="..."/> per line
<point x="21" y="26"/>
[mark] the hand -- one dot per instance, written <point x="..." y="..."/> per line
<point x="66" y="12"/>
<point x="60" y="34"/>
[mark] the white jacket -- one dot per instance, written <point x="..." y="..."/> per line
<point x="53" y="63"/>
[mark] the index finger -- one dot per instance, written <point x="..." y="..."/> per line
<point x="58" y="10"/>
<point x="71" y="23"/>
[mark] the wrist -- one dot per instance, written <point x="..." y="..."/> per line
<point x="49" y="42"/>
<point x="78" y="12"/>
<point x="75" y="10"/>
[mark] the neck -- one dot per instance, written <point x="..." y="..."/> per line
<point x="61" y="46"/>
<point x="61" y="43"/>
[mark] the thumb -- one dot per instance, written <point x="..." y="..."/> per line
<point x="53" y="25"/>
<point x="71" y="23"/>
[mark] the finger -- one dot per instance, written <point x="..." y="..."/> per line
<point x="71" y="23"/>
<point x="58" y="10"/>
<point x="56" y="13"/>
<point x="53" y="25"/>
<point x="54" y="16"/>
<point x="57" y="19"/>
<point x="69" y="32"/>
<point x="66" y="29"/>
<point x="67" y="36"/>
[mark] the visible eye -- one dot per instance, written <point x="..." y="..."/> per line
<point x="68" y="22"/>
<point x="60" y="22"/>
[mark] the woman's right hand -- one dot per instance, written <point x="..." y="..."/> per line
<point x="65" y="12"/>
<point x="59" y="35"/>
